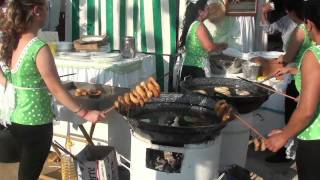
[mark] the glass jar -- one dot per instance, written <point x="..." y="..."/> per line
<point x="128" y="49"/>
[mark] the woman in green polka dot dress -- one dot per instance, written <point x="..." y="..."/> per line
<point x="305" y="121"/>
<point x="196" y="39"/>
<point x="33" y="73"/>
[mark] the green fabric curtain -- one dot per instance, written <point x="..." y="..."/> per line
<point x="151" y="22"/>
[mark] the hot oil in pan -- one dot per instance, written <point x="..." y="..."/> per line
<point x="175" y="119"/>
<point x="227" y="91"/>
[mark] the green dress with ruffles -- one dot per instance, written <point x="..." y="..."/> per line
<point x="307" y="42"/>
<point x="195" y="53"/>
<point x="313" y="131"/>
<point x="33" y="105"/>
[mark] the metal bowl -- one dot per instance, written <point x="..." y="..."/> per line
<point x="223" y="64"/>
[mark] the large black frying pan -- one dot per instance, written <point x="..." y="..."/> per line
<point x="244" y="104"/>
<point x="176" y="135"/>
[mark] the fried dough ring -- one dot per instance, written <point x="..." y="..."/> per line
<point x="153" y="89"/>
<point x="134" y="99"/>
<point x="256" y="144"/>
<point x="116" y="105"/>
<point x="142" y="93"/>
<point x="218" y="104"/>
<point x="222" y="110"/>
<point x="155" y="83"/>
<point x="263" y="145"/>
<point x="229" y="115"/>
<point x="144" y="86"/>
<point x="139" y="97"/>
<point x="127" y="99"/>
<point x="120" y="99"/>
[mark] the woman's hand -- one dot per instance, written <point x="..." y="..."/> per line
<point x="276" y="140"/>
<point x="2" y="78"/>
<point x="92" y="115"/>
<point x="285" y="70"/>
<point x="266" y="8"/>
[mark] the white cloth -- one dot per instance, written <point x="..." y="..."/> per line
<point x="7" y="103"/>
<point x="237" y="31"/>
<point x="120" y="73"/>
<point x="247" y="33"/>
<point x="53" y="15"/>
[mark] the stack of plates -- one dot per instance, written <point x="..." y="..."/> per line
<point x="74" y="55"/>
<point x="105" y="57"/>
<point x="63" y="46"/>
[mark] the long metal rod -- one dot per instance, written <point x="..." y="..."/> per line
<point x="110" y="109"/>
<point x="85" y="134"/>
<point x="59" y="146"/>
<point x="269" y="89"/>
<point x="248" y="125"/>
<point x="113" y="107"/>
<point x="93" y="126"/>
<point x="67" y="75"/>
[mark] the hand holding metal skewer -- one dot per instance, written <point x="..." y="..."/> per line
<point x="248" y="125"/>
<point x="226" y="113"/>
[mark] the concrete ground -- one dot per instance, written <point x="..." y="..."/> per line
<point x="279" y="171"/>
<point x="255" y="163"/>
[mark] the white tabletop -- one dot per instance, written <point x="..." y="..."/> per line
<point x="111" y="71"/>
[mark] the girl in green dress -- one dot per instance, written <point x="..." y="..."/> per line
<point x="196" y="39"/>
<point x="32" y="72"/>
<point x="299" y="42"/>
<point x="305" y="121"/>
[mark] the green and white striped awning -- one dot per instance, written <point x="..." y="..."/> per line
<point x="151" y="22"/>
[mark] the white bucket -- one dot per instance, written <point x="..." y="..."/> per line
<point x="234" y="142"/>
<point x="200" y="161"/>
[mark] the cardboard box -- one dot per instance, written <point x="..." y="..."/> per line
<point x="99" y="162"/>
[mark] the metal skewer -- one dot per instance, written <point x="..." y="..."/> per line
<point x="86" y="135"/>
<point x="67" y="75"/>
<point x="59" y="146"/>
<point x="93" y="126"/>
<point x="105" y="112"/>
<point x="269" y="89"/>
<point x="248" y="125"/>
<point x="113" y="107"/>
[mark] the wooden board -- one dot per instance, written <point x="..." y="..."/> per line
<point x="242" y="8"/>
<point x="86" y="47"/>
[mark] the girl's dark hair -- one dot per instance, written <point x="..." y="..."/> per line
<point x="19" y="18"/>
<point x="312" y="12"/>
<point x="2" y="2"/>
<point x="191" y="14"/>
<point x="295" y="6"/>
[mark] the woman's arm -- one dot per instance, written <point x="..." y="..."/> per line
<point x="48" y="71"/>
<point x="307" y="106"/>
<point x="309" y="97"/>
<point x="2" y="78"/>
<point x="266" y="8"/>
<point x="207" y="41"/>
<point x="296" y="40"/>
